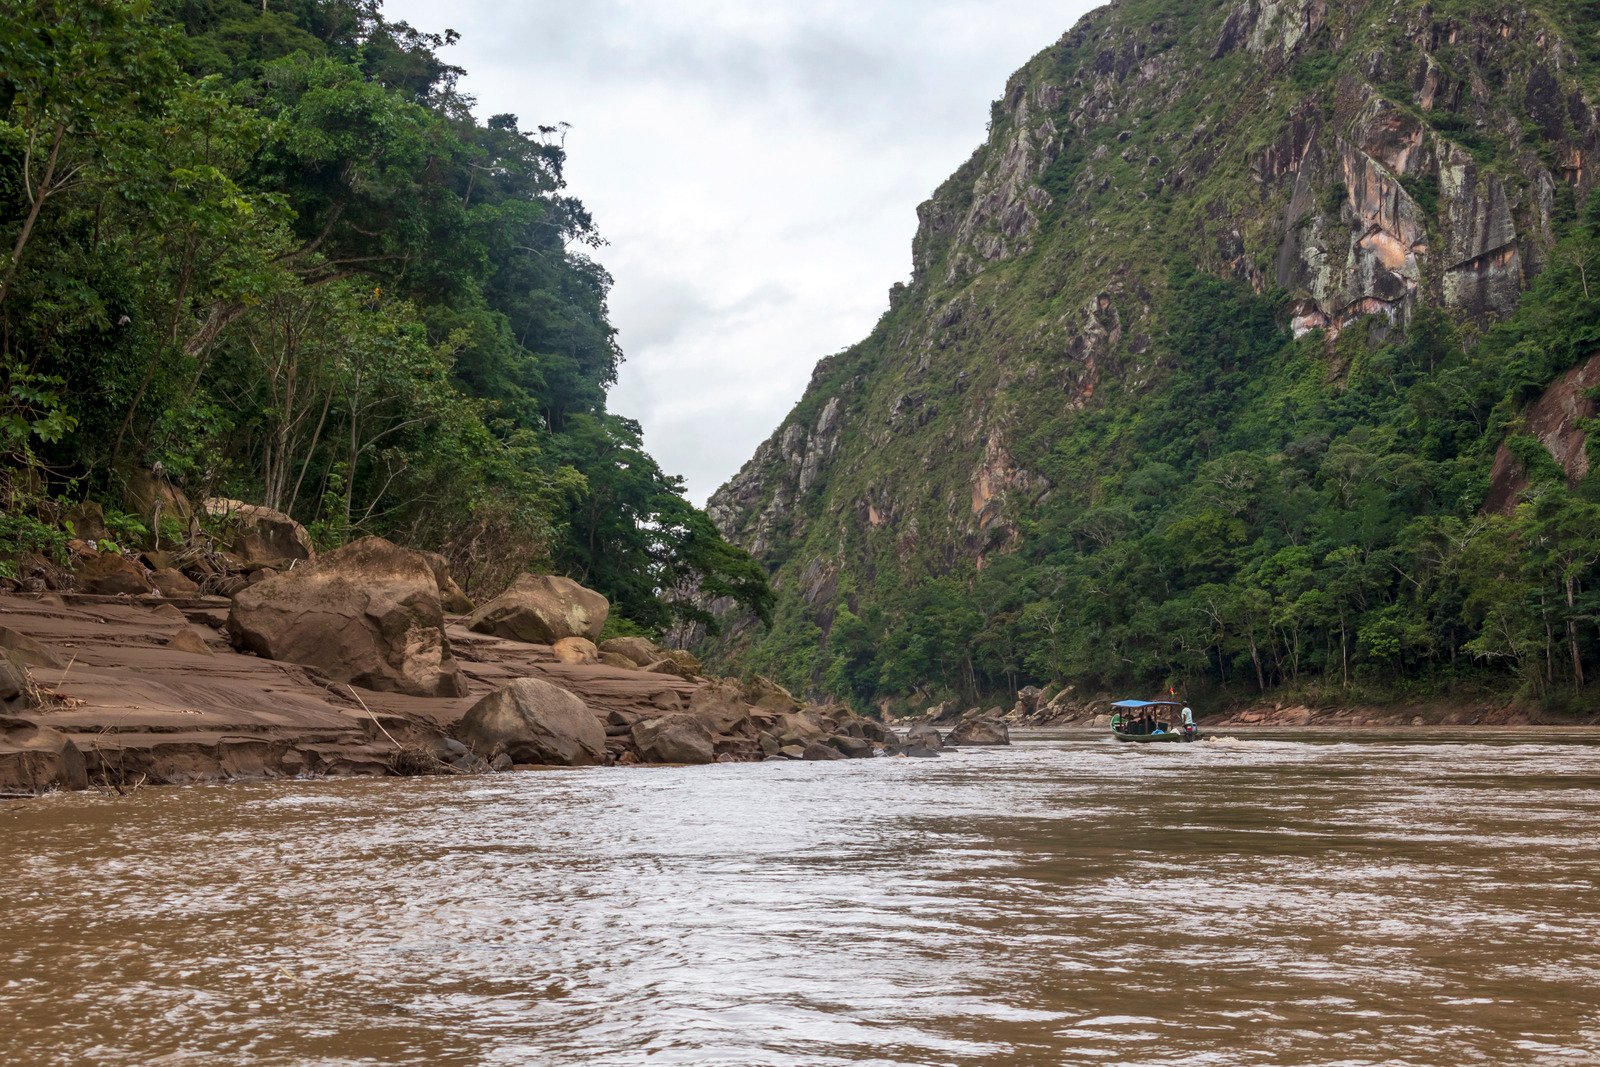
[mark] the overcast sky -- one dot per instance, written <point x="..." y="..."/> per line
<point x="755" y="166"/>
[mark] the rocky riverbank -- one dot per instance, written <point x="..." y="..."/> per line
<point x="1063" y="706"/>
<point x="347" y="665"/>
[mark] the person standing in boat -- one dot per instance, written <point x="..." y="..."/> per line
<point x="1188" y="721"/>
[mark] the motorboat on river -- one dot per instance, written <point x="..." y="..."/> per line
<point x="1149" y="721"/>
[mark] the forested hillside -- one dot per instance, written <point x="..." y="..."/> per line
<point x="1255" y="352"/>
<point x="264" y="248"/>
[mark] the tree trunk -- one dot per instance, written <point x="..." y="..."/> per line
<point x="36" y="206"/>
<point x="1572" y="637"/>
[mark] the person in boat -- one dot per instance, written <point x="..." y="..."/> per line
<point x="1188" y="720"/>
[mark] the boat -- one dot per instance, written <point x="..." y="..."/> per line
<point x="1141" y="721"/>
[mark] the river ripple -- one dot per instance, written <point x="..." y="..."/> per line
<point x="1272" y="900"/>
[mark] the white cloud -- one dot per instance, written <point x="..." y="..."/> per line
<point x="755" y="167"/>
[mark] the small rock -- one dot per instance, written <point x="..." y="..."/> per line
<point x="792" y="752"/>
<point x="669" y="666"/>
<point x="636" y="650"/>
<point x="501" y="762"/>
<point x="815" y="750"/>
<point x="449" y="748"/>
<point x="172" y="583"/>
<point x="621" y="663"/>
<point x="186" y="639"/>
<point x="919" y="752"/>
<point x="576" y="650"/>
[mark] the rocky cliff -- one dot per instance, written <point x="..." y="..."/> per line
<point x="1352" y="161"/>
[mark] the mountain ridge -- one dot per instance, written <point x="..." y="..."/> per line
<point x="1366" y="178"/>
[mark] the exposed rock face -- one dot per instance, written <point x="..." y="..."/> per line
<point x="533" y="721"/>
<point x="1556" y="421"/>
<point x="367" y="613"/>
<point x="1367" y="159"/>
<point x="674" y="739"/>
<point x="36" y="758"/>
<point x="543" y="609"/>
<point x="258" y="534"/>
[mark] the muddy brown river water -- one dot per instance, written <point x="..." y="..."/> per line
<point x="1275" y="899"/>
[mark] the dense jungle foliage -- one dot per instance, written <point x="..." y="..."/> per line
<point x="1082" y="447"/>
<point x="264" y="247"/>
<point x="1273" y="519"/>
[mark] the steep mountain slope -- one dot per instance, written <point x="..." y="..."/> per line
<point x="1193" y="343"/>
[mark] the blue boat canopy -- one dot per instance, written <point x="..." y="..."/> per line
<point x="1148" y="704"/>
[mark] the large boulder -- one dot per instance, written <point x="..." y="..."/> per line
<point x="258" y="534"/>
<point x="679" y="738"/>
<point x="451" y="596"/>
<point x="720" y="705"/>
<point x="638" y="649"/>
<point x="533" y="721"/>
<point x="367" y="613"/>
<point x="542" y="609"/>
<point x="797" y="728"/>
<point x="922" y="735"/>
<point x="109" y="574"/>
<point x="853" y="747"/>
<point x="980" y="731"/>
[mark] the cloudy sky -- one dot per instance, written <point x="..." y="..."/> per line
<point x="755" y="166"/>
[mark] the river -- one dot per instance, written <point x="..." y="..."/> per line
<point x="1271" y="899"/>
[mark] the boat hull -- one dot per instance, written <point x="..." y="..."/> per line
<point x="1149" y="739"/>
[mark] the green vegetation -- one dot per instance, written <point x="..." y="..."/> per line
<point x="266" y="248"/>
<point x="1094" y="455"/>
<point x="1252" y="526"/>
